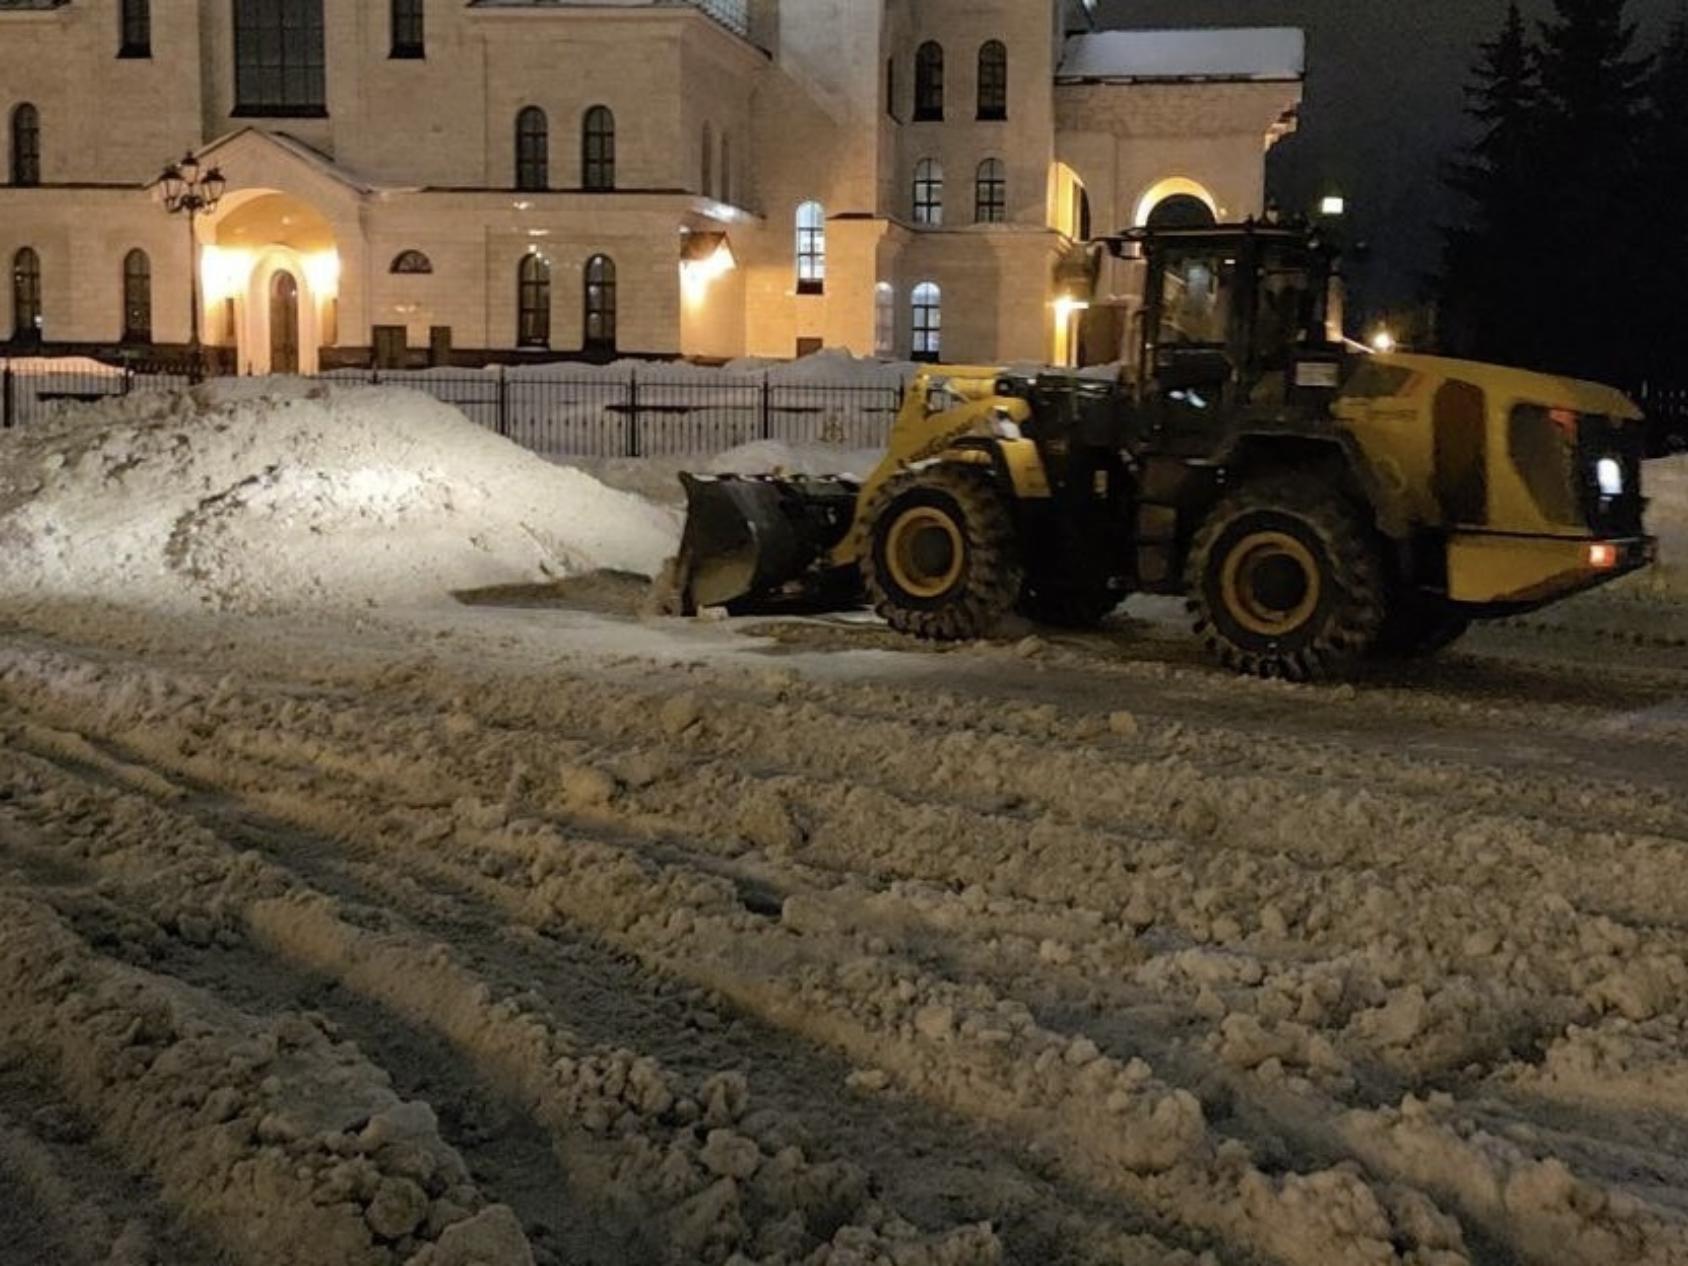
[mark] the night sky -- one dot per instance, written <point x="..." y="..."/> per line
<point x="1385" y="93"/>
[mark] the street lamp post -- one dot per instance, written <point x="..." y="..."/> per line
<point x="188" y="189"/>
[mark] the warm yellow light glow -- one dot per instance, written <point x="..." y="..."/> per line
<point x="1333" y="205"/>
<point x="698" y="275"/>
<point x="224" y="272"/>
<point x="1066" y="305"/>
<point x="1384" y="342"/>
<point x="322" y="271"/>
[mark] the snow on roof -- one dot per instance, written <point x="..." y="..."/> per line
<point x="1250" y="53"/>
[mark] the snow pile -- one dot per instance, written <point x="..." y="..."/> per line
<point x="1666" y="485"/>
<point x="277" y="494"/>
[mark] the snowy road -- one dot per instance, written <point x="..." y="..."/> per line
<point x="478" y="934"/>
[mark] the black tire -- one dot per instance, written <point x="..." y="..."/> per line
<point x="1068" y="606"/>
<point x="1285" y="581"/>
<point x="943" y="559"/>
<point x="1417" y="627"/>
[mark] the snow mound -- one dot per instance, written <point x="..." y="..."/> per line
<point x="278" y="494"/>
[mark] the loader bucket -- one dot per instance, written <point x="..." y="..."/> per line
<point x="748" y="541"/>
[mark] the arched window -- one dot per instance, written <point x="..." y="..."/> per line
<point x="884" y="319"/>
<point x="811" y="249"/>
<point x="990" y="196"/>
<point x="533" y="149"/>
<point x="137" y="297"/>
<point x="928" y="321"/>
<point x="26" y="296"/>
<point x="411" y="263"/>
<point x="708" y="186"/>
<point x="1181" y="211"/>
<point x="135" y="33"/>
<point x="408" y="32"/>
<point x="600" y="304"/>
<point x="597" y="149"/>
<point x="993" y="80"/>
<point x="929" y="83"/>
<point x="929" y="192"/>
<point x="280" y="67"/>
<point x="26" y="145"/>
<point x="726" y="168"/>
<point x="533" y="320"/>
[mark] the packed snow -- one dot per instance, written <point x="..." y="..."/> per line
<point x="265" y="494"/>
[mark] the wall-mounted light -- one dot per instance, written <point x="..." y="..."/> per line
<point x="704" y="259"/>
<point x="1333" y="204"/>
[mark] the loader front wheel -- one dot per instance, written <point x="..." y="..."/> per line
<point x="943" y="562"/>
<point x="1285" y="581"/>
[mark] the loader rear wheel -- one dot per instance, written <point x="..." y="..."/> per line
<point x="943" y="562"/>
<point x="1285" y="581"/>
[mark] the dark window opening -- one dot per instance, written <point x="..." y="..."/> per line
<point x="26" y="145"/>
<point x="137" y="297"/>
<point x="439" y="345"/>
<point x="1181" y="211"/>
<point x="993" y="81"/>
<point x="601" y="301"/>
<point x="533" y="323"/>
<point x="26" y="296"/>
<point x="280" y="67"/>
<point x="929" y="83"/>
<point x="533" y="150"/>
<point x="891" y="86"/>
<point x="809" y="346"/>
<point x="392" y="346"/>
<point x="991" y="195"/>
<point x="411" y="263"/>
<point x="597" y="150"/>
<point x="135" y="34"/>
<point x="409" y="33"/>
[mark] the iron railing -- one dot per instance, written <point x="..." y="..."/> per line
<point x="558" y="411"/>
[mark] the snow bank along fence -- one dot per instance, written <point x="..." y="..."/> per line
<point x="555" y="410"/>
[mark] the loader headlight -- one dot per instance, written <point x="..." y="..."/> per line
<point x="1609" y="474"/>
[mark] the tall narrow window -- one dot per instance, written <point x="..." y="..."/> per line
<point x="410" y="37"/>
<point x="708" y="186"/>
<point x="884" y="319"/>
<point x="928" y="321"/>
<point x="135" y="33"/>
<point x="990" y="199"/>
<point x="26" y="145"/>
<point x="137" y="297"/>
<point x="929" y="192"/>
<point x="533" y="318"/>
<point x="533" y="149"/>
<point x="726" y="168"/>
<point x="280" y="67"/>
<point x="600" y="304"/>
<point x="891" y="86"/>
<point x="26" y="296"/>
<point x="811" y="249"/>
<point x="993" y="80"/>
<point x="929" y="83"/>
<point x="597" y="149"/>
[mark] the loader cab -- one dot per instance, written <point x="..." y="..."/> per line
<point x="1234" y="320"/>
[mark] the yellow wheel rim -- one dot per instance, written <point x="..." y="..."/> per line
<point x="1271" y="583"/>
<point x="925" y="552"/>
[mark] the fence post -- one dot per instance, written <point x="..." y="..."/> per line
<point x="767" y="408"/>
<point x="6" y="396"/>
<point x="503" y="403"/>
<point x="632" y="413"/>
<point x="128" y="379"/>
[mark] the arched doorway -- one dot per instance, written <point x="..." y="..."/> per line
<point x="284" y="323"/>
<point x="1177" y="202"/>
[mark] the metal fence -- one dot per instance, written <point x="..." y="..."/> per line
<point x="555" y="410"/>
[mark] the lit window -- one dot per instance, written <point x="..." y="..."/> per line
<point x="993" y="81"/>
<point x="929" y="192"/>
<point x="137" y="297"/>
<point x="990" y="202"/>
<point x="26" y="145"/>
<point x="928" y="321"/>
<point x="929" y="83"/>
<point x="811" y="249"/>
<point x="600" y="304"/>
<point x="408" y="32"/>
<point x="533" y="324"/>
<point x="26" y="296"/>
<point x="135" y="35"/>
<point x="597" y="150"/>
<point x="280" y="68"/>
<point x="533" y="149"/>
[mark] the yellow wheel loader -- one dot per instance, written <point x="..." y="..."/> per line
<point x="1315" y="504"/>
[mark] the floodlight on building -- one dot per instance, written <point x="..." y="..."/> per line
<point x="1066" y="305"/>
<point x="704" y="259"/>
<point x="322" y="271"/>
<point x="1333" y="204"/>
<point x="224" y="271"/>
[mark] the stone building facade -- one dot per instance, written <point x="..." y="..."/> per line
<point x="453" y="181"/>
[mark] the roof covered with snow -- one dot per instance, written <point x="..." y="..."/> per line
<point x="1269" y="54"/>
